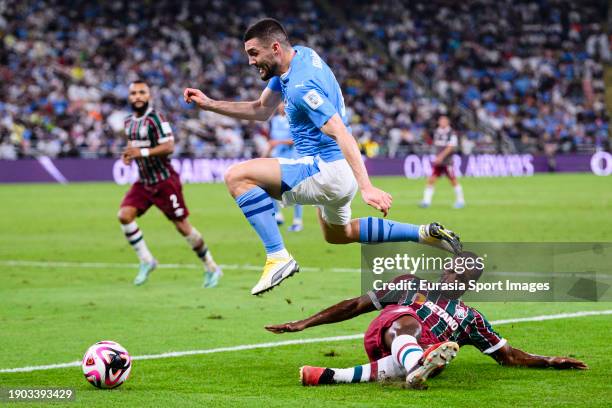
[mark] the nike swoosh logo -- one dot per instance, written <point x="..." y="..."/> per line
<point x="278" y="276"/>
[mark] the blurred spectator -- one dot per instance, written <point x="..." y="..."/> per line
<point x="530" y="71"/>
<point x="526" y="70"/>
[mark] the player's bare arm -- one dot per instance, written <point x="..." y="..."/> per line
<point x="373" y="196"/>
<point x="448" y="150"/>
<point x="510" y="356"/>
<point x="259" y="110"/>
<point x="274" y="143"/>
<point x="345" y="310"/>
<point x="163" y="149"/>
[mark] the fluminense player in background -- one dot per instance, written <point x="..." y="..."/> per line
<point x="330" y="167"/>
<point x="445" y="142"/>
<point x="281" y="147"/>
<point x="150" y="143"/>
<point x="416" y="334"/>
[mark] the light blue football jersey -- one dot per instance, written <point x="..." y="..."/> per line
<point x="311" y="95"/>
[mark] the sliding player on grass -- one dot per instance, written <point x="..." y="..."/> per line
<point x="411" y="322"/>
<point x="150" y="143"/>
<point x="330" y="169"/>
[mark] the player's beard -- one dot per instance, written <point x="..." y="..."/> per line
<point x="142" y="109"/>
<point x="269" y="70"/>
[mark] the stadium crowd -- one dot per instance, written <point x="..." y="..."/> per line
<point x="530" y="72"/>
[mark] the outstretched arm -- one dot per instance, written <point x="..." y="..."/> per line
<point x="347" y="309"/>
<point x="373" y="196"/>
<point x="510" y="356"/>
<point x="448" y="150"/>
<point x="260" y="110"/>
<point x="163" y="149"/>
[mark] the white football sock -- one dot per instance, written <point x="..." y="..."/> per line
<point x="354" y="374"/>
<point x="406" y="351"/>
<point x="428" y="194"/>
<point x="282" y="254"/>
<point x="385" y="368"/>
<point x="459" y="193"/>
<point x="195" y="240"/>
<point x="136" y="239"/>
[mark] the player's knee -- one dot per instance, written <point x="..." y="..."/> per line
<point x="125" y="216"/>
<point x="233" y="177"/>
<point x="229" y="176"/>
<point x="406" y="325"/>
<point x="183" y="227"/>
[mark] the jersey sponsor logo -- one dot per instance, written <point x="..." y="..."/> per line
<point x="166" y="128"/>
<point x="140" y="143"/>
<point x="313" y="99"/>
<point x="452" y="323"/>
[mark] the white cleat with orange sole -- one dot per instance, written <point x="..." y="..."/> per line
<point x="435" y="358"/>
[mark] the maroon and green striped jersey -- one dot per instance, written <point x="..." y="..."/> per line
<point x="447" y="320"/>
<point x="442" y="138"/>
<point x="150" y="130"/>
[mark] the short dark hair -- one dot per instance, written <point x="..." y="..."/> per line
<point x="267" y="30"/>
<point x="473" y="273"/>
<point x="139" y="81"/>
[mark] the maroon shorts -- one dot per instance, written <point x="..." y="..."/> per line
<point x="166" y="195"/>
<point x="444" y="169"/>
<point x="374" y="341"/>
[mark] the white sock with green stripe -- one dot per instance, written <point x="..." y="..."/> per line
<point x="195" y="240"/>
<point x="136" y="240"/>
<point x="353" y="375"/>
<point x="406" y="351"/>
<point x="377" y="370"/>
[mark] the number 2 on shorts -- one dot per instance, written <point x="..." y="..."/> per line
<point x="174" y="200"/>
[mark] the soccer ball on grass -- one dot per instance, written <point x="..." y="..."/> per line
<point x="106" y="364"/>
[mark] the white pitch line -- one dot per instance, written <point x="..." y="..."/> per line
<point x="247" y="267"/>
<point x="128" y="265"/>
<point x="172" y="354"/>
<point x="553" y="317"/>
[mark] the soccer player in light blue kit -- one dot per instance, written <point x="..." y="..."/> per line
<point x="330" y="168"/>
<point x="281" y="146"/>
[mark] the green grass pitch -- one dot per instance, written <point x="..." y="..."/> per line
<point x="51" y="312"/>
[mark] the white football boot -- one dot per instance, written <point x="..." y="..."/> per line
<point x="144" y="271"/>
<point x="275" y="271"/>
